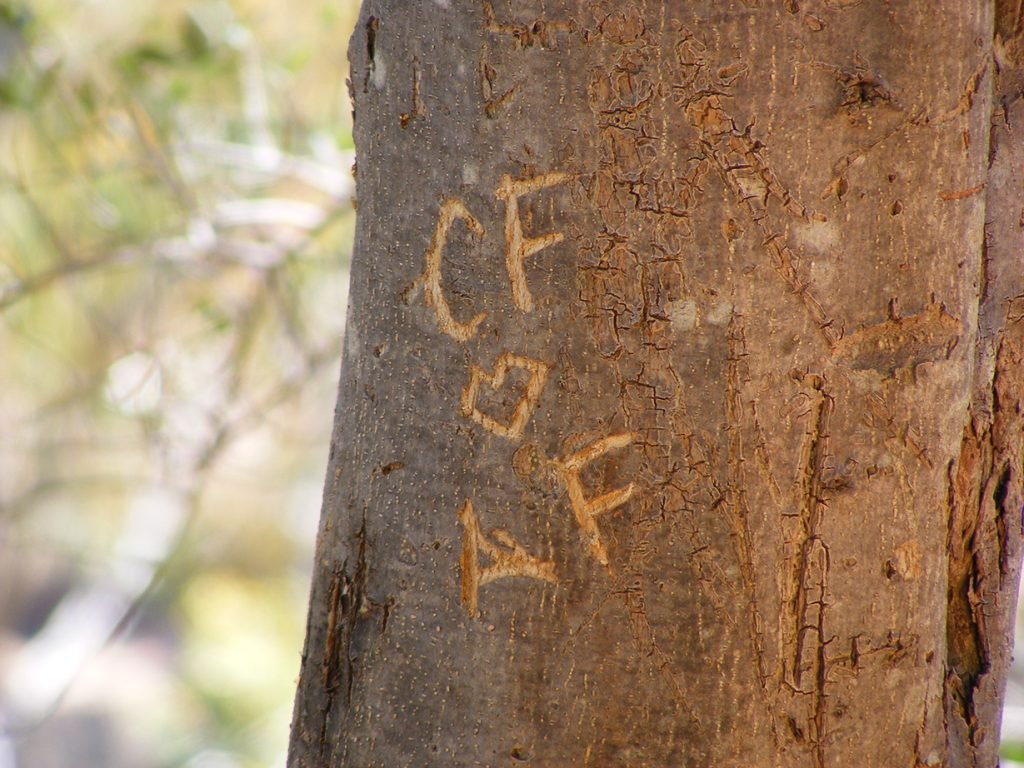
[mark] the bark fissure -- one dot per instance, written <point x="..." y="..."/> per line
<point x="986" y="497"/>
<point x="984" y="540"/>
<point x="739" y="509"/>
<point x="811" y="563"/>
<point x="346" y="602"/>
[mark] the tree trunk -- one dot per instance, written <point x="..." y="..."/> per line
<point x="680" y="419"/>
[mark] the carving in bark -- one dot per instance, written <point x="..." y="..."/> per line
<point x="695" y="332"/>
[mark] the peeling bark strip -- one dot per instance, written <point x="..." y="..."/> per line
<point x="984" y="541"/>
<point x="640" y="459"/>
<point x="345" y="603"/>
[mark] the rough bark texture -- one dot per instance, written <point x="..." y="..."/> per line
<point x="681" y="412"/>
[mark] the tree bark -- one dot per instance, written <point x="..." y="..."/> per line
<point x="680" y="419"/>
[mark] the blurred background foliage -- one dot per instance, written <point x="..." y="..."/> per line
<point x="175" y="227"/>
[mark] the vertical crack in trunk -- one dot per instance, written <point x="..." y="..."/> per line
<point x="346" y="603"/>
<point x="738" y="506"/>
<point x="809" y="567"/>
<point x="739" y="511"/>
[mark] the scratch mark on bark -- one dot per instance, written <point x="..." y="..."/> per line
<point x="809" y="568"/>
<point x="880" y="416"/>
<point x="418" y="110"/>
<point x="739" y="511"/>
<point x="345" y="603"/>
<point x="740" y="163"/>
<point x="763" y="458"/>
<point x="540" y="31"/>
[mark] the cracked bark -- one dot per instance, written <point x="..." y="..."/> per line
<point x="764" y="505"/>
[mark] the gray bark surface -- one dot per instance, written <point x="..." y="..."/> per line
<point x="680" y="421"/>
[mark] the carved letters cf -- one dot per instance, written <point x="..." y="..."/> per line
<point x="505" y="557"/>
<point x="517" y="248"/>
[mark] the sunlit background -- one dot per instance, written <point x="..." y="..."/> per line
<point x="175" y="226"/>
<point x="175" y="220"/>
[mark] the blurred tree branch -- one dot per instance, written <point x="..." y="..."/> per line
<point x="176" y="218"/>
